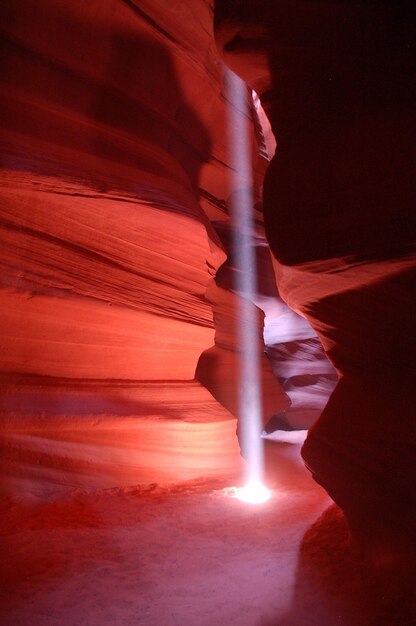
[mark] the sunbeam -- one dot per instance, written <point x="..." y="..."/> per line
<point x="243" y="228"/>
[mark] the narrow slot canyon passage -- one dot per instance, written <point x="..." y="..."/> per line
<point x="136" y="310"/>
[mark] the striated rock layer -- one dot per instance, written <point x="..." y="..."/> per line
<point x="62" y="434"/>
<point x="115" y="170"/>
<point x="107" y="135"/>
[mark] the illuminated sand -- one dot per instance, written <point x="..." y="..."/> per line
<point x="253" y="492"/>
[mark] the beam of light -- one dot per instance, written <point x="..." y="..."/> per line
<point x="243" y="229"/>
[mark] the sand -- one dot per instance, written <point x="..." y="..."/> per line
<point x="188" y="555"/>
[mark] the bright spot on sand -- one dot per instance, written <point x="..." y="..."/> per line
<point x="253" y="493"/>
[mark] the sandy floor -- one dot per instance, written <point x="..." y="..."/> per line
<point x="189" y="555"/>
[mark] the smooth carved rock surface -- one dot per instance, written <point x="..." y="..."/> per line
<point x="115" y="159"/>
<point x="219" y="368"/>
<point x="112" y="119"/>
<point x="94" y="291"/>
<point x="59" y="435"/>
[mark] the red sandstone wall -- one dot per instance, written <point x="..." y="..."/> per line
<point x="114" y="152"/>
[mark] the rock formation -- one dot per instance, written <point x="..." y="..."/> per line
<point x="107" y="253"/>
<point x="337" y="80"/>
<point x="114" y="188"/>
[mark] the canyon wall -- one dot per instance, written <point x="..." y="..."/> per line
<point x="339" y="197"/>
<point x="115" y="180"/>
